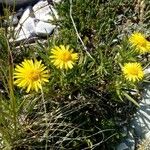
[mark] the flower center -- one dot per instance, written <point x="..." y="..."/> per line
<point x="134" y="71"/>
<point x="34" y="75"/>
<point x="66" y="56"/>
<point x="142" y="42"/>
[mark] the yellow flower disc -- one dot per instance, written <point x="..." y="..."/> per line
<point x="133" y="71"/>
<point x="62" y="57"/>
<point x="30" y="75"/>
<point x="141" y="44"/>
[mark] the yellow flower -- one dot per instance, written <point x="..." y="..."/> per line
<point x="62" y="57"/>
<point x="30" y="75"/>
<point x="141" y="44"/>
<point x="133" y="71"/>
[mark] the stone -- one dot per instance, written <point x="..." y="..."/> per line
<point x="141" y="121"/>
<point x="122" y="146"/>
<point x="35" y="21"/>
<point x="44" y="12"/>
<point x="57" y="1"/>
<point x="29" y="26"/>
<point x="13" y="20"/>
<point x="26" y="26"/>
<point x="147" y="71"/>
<point x="44" y="28"/>
<point x="128" y="143"/>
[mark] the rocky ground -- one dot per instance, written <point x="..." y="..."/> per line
<point x="32" y="19"/>
<point x="139" y="127"/>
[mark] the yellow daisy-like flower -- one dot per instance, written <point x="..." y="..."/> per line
<point x="133" y="71"/>
<point x="141" y="44"/>
<point x="62" y="57"/>
<point x="30" y="75"/>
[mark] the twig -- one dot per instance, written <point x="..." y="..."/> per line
<point x="77" y="33"/>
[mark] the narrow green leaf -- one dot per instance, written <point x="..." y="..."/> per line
<point x="131" y="99"/>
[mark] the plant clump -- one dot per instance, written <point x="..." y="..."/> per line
<point x="79" y="89"/>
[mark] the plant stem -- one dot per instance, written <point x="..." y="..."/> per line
<point x="10" y="82"/>
<point x="62" y="78"/>
<point x="46" y="122"/>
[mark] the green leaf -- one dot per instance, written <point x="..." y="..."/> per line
<point x="130" y="99"/>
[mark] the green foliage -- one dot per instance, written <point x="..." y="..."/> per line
<point x="81" y="108"/>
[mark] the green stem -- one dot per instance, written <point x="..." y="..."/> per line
<point x="62" y="77"/>
<point x="46" y="122"/>
<point x="12" y="97"/>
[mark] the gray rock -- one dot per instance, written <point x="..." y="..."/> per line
<point x="44" y="12"/>
<point x="44" y="28"/>
<point x="13" y="20"/>
<point x="147" y="71"/>
<point x="140" y="124"/>
<point x="57" y="1"/>
<point x="141" y="121"/>
<point x="122" y="146"/>
<point x="29" y="26"/>
<point x="36" y="21"/>
<point x="26" y="26"/>
<point x="128" y="143"/>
